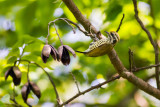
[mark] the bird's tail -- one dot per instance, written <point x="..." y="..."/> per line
<point x="81" y="52"/>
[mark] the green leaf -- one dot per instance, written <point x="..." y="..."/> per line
<point x="11" y="38"/>
<point x="156" y="7"/>
<point x="25" y="18"/>
<point x="2" y="104"/>
<point x="113" y="11"/>
<point x="11" y="60"/>
<point x="14" y="52"/>
<point x="27" y="39"/>
<point x="79" y="76"/>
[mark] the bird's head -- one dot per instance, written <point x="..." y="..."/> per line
<point x="113" y="35"/>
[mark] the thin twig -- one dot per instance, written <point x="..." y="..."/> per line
<point x="58" y="34"/>
<point x="90" y="89"/>
<point x="15" y="103"/>
<point x="120" y="23"/>
<point x="146" y="67"/>
<point x="20" y="55"/>
<point x="28" y="73"/>
<point x="156" y="48"/>
<point x="75" y="82"/>
<point x="64" y="19"/>
<point x="141" y="23"/>
<point x="154" y="44"/>
<point x="130" y="60"/>
<point x="13" y="99"/>
<point x="89" y="33"/>
<point x="85" y="32"/>
<point x="47" y="34"/>
<point x="69" y="22"/>
<point x="133" y="62"/>
<point x="53" y="84"/>
<point x="81" y="18"/>
<point x="118" y="65"/>
<point x="50" y="78"/>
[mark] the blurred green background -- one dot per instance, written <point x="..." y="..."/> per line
<point x="23" y="24"/>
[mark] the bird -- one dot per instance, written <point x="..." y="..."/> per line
<point x="102" y="46"/>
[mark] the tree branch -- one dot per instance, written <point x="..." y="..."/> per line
<point x="52" y="82"/>
<point x="146" y="67"/>
<point x="154" y="44"/>
<point x="113" y="55"/>
<point x="83" y="20"/>
<point x="156" y="48"/>
<point x="141" y="23"/>
<point x="90" y="89"/>
<point x="75" y="82"/>
<point x="50" y="78"/>
<point x="120" y="24"/>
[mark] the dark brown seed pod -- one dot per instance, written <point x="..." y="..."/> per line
<point x="8" y="72"/>
<point x="70" y="50"/>
<point x="54" y="53"/>
<point x="25" y="91"/>
<point x="16" y="81"/>
<point x="49" y="50"/>
<point x="35" y="89"/>
<point x="15" y="73"/>
<point x="64" y="54"/>
<point x="45" y="53"/>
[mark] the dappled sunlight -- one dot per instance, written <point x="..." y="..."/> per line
<point x="48" y="65"/>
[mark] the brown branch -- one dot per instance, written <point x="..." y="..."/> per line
<point x="15" y="104"/>
<point x="75" y="82"/>
<point x="157" y="68"/>
<point x="120" y="24"/>
<point x="130" y="60"/>
<point x="69" y="22"/>
<point x="146" y="67"/>
<point x="14" y="100"/>
<point x="52" y="82"/>
<point x="58" y="34"/>
<point x="141" y="84"/>
<point x="82" y="19"/>
<point x="154" y="44"/>
<point x="113" y="55"/>
<point x="156" y="48"/>
<point x="112" y="79"/>
<point x="50" y="78"/>
<point x="141" y="23"/>
<point x="90" y="89"/>
<point x="118" y="65"/>
<point x="28" y="73"/>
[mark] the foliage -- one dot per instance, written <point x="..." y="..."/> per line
<point x="24" y="25"/>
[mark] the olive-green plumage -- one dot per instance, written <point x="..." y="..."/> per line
<point x="102" y="46"/>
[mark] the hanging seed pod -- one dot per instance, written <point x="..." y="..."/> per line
<point x="31" y="86"/>
<point x="25" y="91"/>
<point x="54" y="53"/>
<point x="15" y="73"/>
<point x="64" y="54"/>
<point x="45" y="53"/>
<point x="17" y="78"/>
<point x="47" y="50"/>
<point x="35" y="89"/>
<point x="8" y="72"/>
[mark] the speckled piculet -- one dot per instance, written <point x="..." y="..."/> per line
<point x="102" y="46"/>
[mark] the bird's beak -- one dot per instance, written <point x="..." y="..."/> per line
<point x="107" y="32"/>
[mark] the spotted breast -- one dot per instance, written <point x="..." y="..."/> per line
<point x="102" y="46"/>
